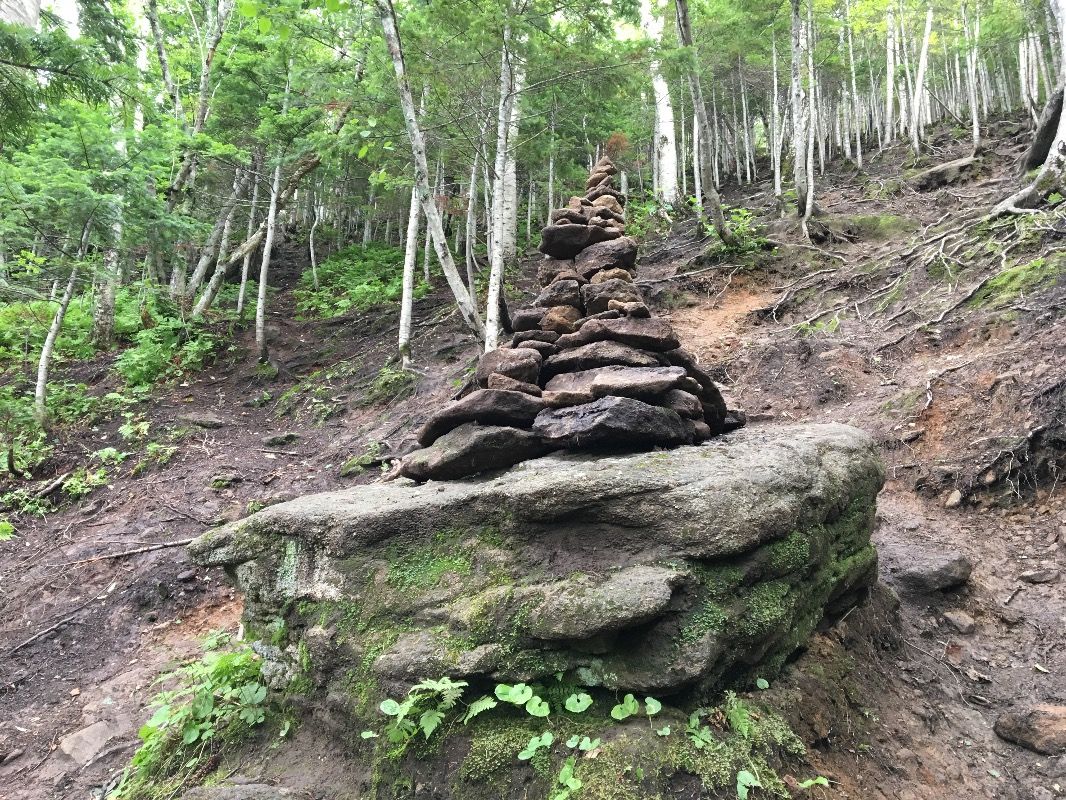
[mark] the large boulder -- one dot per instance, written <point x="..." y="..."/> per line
<point x="661" y="572"/>
<point x="637" y="382"/>
<point x="621" y="252"/>
<point x="597" y="354"/>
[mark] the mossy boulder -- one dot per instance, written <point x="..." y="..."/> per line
<point x="679" y="572"/>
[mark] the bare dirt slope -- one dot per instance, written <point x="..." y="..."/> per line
<point x="904" y="319"/>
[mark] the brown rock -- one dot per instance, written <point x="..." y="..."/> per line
<point x="630" y="309"/>
<point x="605" y="164"/>
<point x="609" y="202"/>
<point x="699" y="430"/>
<point x="561" y="319"/>
<point x="471" y="448"/>
<point x="621" y="252"/>
<point x="560" y="293"/>
<point x="594" y="194"/>
<point x="568" y="275"/>
<point x="636" y="382"/>
<point x="527" y="319"/>
<point x="570" y="215"/>
<point x="614" y="274"/>
<point x="544" y="348"/>
<point x="597" y="354"/>
<point x="599" y="315"/>
<point x="599" y="180"/>
<point x="646" y="334"/>
<point x="1040" y="728"/>
<point x="498" y="381"/>
<point x="520" y="363"/>
<point x="597" y="296"/>
<point x="606" y="213"/>
<point x="565" y="398"/>
<point x="549" y="268"/>
<point x="486" y="407"/>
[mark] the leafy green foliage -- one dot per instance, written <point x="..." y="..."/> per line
<point x="166" y="351"/>
<point x="217" y="699"/>
<point x="746" y="781"/>
<point x="627" y="708"/>
<point x="578" y="702"/>
<point x="745" y="230"/>
<point x="566" y="782"/>
<point x="7" y="530"/>
<point x="536" y="743"/>
<point x="355" y="278"/>
<point x="423" y="710"/>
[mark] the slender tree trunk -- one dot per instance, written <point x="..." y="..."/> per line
<point x="268" y="243"/>
<point x="418" y="148"/>
<point x="890" y="78"/>
<point x="665" y="148"/>
<point x="257" y="167"/>
<point x="710" y="201"/>
<point x="919" y="84"/>
<point x="800" y="109"/>
<point x="856" y="108"/>
<point x="500" y="209"/>
<point x="410" y="256"/>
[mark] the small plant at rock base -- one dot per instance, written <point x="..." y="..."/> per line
<point x="218" y="699"/>
<point x="566" y="782"/>
<point x="536" y="743"/>
<point x="627" y="708"/>
<point x="746" y="781"/>
<point x="7" y="531"/>
<point x="82" y="481"/>
<point x="423" y="710"/>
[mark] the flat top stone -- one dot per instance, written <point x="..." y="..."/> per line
<point x="719" y="498"/>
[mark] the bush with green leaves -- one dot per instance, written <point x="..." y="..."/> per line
<point x="216" y="700"/>
<point x="745" y="228"/>
<point x="354" y="278"/>
<point x="165" y="351"/>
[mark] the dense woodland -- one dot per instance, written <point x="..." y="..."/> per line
<point x="246" y="247"/>
<point x="155" y="153"/>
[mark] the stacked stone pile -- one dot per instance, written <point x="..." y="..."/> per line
<point x="588" y="366"/>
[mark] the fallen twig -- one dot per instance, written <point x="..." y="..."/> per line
<point x="124" y="553"/>
<point x="61" y="622"/>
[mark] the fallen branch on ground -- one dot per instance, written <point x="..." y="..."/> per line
<point x="124" y="553"/>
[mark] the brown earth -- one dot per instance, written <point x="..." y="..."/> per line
<point x="963" y="396"/>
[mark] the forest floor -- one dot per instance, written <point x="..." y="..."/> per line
<point x="911" y="318"/>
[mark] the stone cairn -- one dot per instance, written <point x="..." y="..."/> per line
<point x="588" y="367"/>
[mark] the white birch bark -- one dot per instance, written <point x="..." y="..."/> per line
<point x="918" y="97"/>
<point x="665" y="149"/>
<point x="890" y="78"/>
<point x="418" y="150"/>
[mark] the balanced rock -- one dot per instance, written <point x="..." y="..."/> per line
<point x="560" y="293"/>
<point x="550" y="268"/>
<point x="561" y="319"/>
<point x="470" y="449"/>
<point x="647" y="334"/>
<point x="621" y="252"/>
<point x="598" y="354"/>
<point x="498" y="381"/>
<point x="642" y="383"/>
<point x="615" y="273"/>
<point x="486" y="407"/>
<point x="611" y="422"/>
<point x="527" y="319"/>
<point x="520" y="363"/>
<point x="597" y="296"/>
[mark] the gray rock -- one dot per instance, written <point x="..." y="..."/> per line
<point x="549" y="268"/>
<point x="621" y="252"/>
<point x="244" y="791"/>
<point x="471" y="448"/>
<point x="1040" y="728"/>
<point x="559" y="293"/>
<point x="684" y="403"/>
<point x="597" y="296"/>
<point x="961" y="621"/>
<point x="201" y="419"/>
<point x="280" y="439"/>
<point x="597" y="354"/>
<point x="486" y="407"/>
<point x="926" y="571"/>
<point x="1043" y="575"/>
<point x="566" y="241"/>
<point x="527" y="319"/>
<point x="611" y="423"/>
<point x="768" y="529"/>
<point x="83" y="744"/>
<point x="498" y="381"/>
<point x="582" y="608"/>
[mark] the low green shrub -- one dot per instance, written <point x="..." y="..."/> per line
<point x="356" y="277"/>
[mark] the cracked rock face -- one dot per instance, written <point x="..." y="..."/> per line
<point x="678" y="571"/>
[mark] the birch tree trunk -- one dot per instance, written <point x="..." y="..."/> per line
<point x="856" y="107"/>
<point x="500" y="200"/>
<point x="890" y="78"/>
<point x="268" y="243"/>
<point x="917" y="102"/>
<point x="257" y="166"/>
<point x="707" y="165"/>
<point x="410" y="256"/>
<point x="665" y="148"/>
<point x="800" y="109"/>
<point x="418" y="149"/>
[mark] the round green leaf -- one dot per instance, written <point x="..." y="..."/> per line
<point x="578" y="702"/>
<point x="537" y="707"/>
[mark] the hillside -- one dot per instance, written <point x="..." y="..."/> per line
<point x="913" y="318"/>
